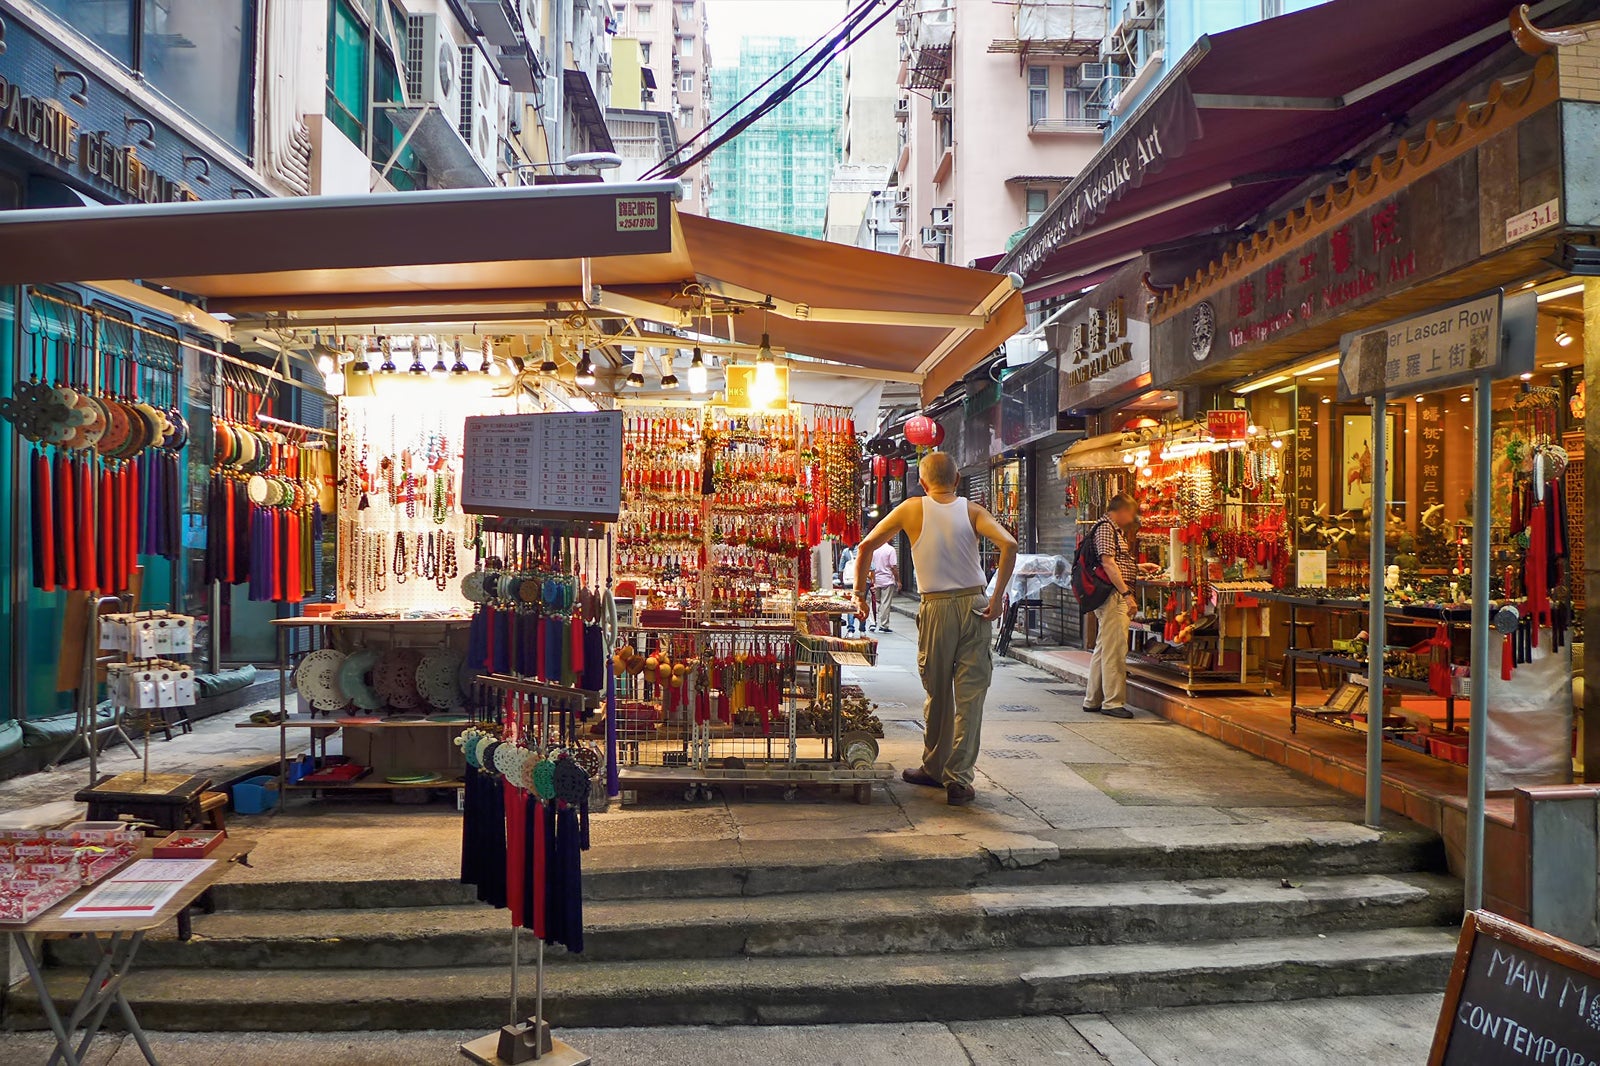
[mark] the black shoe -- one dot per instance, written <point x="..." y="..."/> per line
<point x="885" y="629"/>
<point x="1116" y="712"/>
<point x="917" y="777"/>
<point x="1090" y="710"/>
<point x="960" y="795"/>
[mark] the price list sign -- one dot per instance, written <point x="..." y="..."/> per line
<point x="563" y="464"/>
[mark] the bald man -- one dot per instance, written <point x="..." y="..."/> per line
<point x="953" y="623"/>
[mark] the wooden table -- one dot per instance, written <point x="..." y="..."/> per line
<point x="168" y="801"/>
<point x="116" y="941"/>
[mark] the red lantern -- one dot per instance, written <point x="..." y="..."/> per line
<point x="938" y="434"/>
<point x="880" y="465"/>
<point x="923" y="432"/>
<point x="897" y="467"/>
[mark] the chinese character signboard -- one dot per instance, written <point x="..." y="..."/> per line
<point x="1104" y="343"/>
<point x="569" y="465"/>
<point x="1445" y="346"/>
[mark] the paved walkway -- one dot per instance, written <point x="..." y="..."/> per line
<point x="1375" y="1031"/>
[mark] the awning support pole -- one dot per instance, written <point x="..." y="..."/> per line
<point x="1377" y="639"/>
<point x="1478" y="738"/>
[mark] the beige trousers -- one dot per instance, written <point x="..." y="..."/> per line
<point x="1108" y="666"/>
<point x="882" y="602"/>
<point x="956" y="662"/>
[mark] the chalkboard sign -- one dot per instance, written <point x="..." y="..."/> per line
<point x="1518" y="996"/>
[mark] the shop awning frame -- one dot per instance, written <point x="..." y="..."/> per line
<point x="544" y="253"/>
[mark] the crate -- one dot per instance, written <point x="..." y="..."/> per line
<point x="256" y="795"/>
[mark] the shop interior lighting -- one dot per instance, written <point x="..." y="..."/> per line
<point x="1326" y="399"/>
<point x="766" y="369"/>
<point x="636" y="375"/>
<point x="1251" y="386"/>
<point x="1559" y="364"/>
<point x="1556" y="294"/>
<point x="440" y="371"/>
<point x="1466" y="397"/>
<point x="1326" y="364"/>
<point x="1526" y="375"/>
<point x="697" y="373"/>
<point x="490" y="366"/>
<point x="585" y="375"/>
<point x="459" y="367"/>
<point x="418" y="367"/>
<point x="1563" y="337"/>
<point x="548" y="366"/>
<point x="669" y="378"/>
<point x="387" y="366"/>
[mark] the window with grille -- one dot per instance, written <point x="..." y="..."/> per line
<point x="1038" y="94"/>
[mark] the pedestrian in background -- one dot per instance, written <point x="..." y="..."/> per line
<point x="848" y="565"/>
<point x="954" y="634"/>
<point x="1107" y="691"/>
<point x="885" y="583"/>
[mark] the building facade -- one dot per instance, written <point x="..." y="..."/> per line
<point x="867" y="141"/>
<point x="992" y="121"/>
<point x="776" y="174"/>
<point x="674" y="60"/>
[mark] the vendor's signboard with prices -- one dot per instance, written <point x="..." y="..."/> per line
<point x="560" y="465"/>
<point x="1450" y="345"/>
<point x="1517" y="996"/>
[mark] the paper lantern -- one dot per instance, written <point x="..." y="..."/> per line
<point x="880" y="465"/>
<point x="897" y="467"/>
<point x="923" y="431"/>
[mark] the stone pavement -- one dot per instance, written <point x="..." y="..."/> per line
<point x="1374" y="1031"/>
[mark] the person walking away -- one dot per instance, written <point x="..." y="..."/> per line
<point x="954" y="634"/>
<point x="1107" y="692"/>
<point x="885" y="583"/>
<point x="848" y="566"/>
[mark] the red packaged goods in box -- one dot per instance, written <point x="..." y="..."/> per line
<point x="24" y="899"/>
<point x="189" y="844"/>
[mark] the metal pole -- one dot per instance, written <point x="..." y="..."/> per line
<point x="1376" y="637"/>
<point x="1482" y="487"/>
<point x="558" y="63"/>
<point x="516" y="961"/>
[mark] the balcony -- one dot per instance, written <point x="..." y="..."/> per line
<point x="1047" y="126"/>
<point x="930" y="31"/>
<point x="1054" y="28"/>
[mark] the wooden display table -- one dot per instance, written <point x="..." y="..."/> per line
<point x="169" y="801"/>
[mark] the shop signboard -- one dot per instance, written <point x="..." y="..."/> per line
<point x="1517" y="995"/>
<point x="1104" y="343"/>
<point x="1446" y="346"/>
<point x="1228" y="424"/>
<point x="1300" y="291"/>
<point x="60" y="112"/>
<point x="565" y="464"/>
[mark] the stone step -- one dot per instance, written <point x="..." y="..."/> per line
<point x="731" y="868"/>
<point x="872" y="988"/>
<point x="905" y="921"/>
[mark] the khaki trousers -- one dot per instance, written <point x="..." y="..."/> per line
<point x="1108" y="666"/>
<point x="882" y="601"/>
<point x="955" y="659"/>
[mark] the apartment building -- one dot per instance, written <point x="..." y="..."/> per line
<point x="776" y="174"/>
<point x="993" y="119"/>
<point x="674" y="59"/>
<point x="867" y="142"/>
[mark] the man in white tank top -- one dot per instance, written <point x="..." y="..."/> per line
<point x="953" y="623"/>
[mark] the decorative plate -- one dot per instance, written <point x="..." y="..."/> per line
<point x="317" y="679"/>
<point x="355" y="679"/>
<point x="395" y="678"/>
<point x="437" y="678"/>
<point x="472" y="587"/>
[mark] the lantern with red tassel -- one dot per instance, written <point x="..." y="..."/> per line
<point x="880" y="472"/>
<point x="923" y="432"/>
<point x="897" y="467"/>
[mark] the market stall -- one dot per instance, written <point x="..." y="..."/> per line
<point x="728" y="654"/>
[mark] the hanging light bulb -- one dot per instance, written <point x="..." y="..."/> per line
<point x="386" y="346"/>
<point x="697" y="373"/>
<point x="585" y="375"/>
<point x="669" y="379"/>
<point x="636" y="375"/>
<point x="439" y="371"/>
<point x="417" y="365"/>
<point x="766" y="370"/>
<point x="325" y="361"/>
<point x="460" y="365"/>
<point x="489" y="366"/>
<point x="1563" y="338"/>
<point x="549" y="367"/>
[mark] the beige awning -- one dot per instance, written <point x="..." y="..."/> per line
<point x="504" y="254"/>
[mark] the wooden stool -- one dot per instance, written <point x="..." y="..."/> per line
<point x="214" y="809"/>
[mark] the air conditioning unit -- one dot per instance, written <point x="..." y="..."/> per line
<point x="1091" y="75"/>
<point x="932" y="238"/>
<point x="902" y="107"/>
<point x="943" y="217"/>
<point x="481" y="110"/>
<point x="433" y="64"/>
<point x="943" y="101"/>
<point x="1141" y="14"/>
<point x="902" y="196"/>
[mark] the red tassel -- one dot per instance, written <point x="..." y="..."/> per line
<point x="1507" y="658"/>
<point x="67" y="523"/>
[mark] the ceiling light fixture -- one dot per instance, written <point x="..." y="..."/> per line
<point x="669" y="379"/>
<point x="585" y="375"/>
<point x="418" y="367"/>
<point x="636" y="375"/>
<point x="460" y="365"/>
<point x="548" y="367"/>
<point x="387" y="347"/>
<point x="766" y="369"/>
<point x="1563" y="338"/>
<point x="1556" y="294"/>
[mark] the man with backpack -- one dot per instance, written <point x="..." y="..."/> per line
<point x="1110" y="575"/>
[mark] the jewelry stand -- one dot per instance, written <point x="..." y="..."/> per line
<point x="528" y="1039"/>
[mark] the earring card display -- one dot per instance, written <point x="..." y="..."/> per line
<point x="567" y="464"/>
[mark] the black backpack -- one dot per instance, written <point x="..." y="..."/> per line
<point x="1089" y="581"/>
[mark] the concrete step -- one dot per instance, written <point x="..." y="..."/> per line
<point x="873" y="988"/>
<point x="732" y="868"/>
<point x="905" y="921"/>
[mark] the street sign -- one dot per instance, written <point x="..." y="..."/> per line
<point x="1446" y="346"/>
